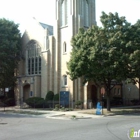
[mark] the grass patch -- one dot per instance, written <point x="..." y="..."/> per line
<point x="126" y="111"/>
<point x="115" y="111"/>
<point x="73" y="117"/>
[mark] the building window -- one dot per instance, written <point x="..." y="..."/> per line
<point x="32" y="66"/>
<point x="33" y="58"/>
<point x="64" y="12"/>
<point x="119" y="91"/>
<point x="65" y="80"/>
<point x="36" y="62"/>
<point x="115" y="91"/>
<point x="64" y="47"/>
<point x="39" y="65"/>
<point x="29" y="69"/>
<point x="84" y="12"/>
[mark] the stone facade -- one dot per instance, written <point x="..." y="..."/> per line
<point x="46" y="51"/>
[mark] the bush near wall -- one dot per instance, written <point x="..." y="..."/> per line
<point x="56" y="97"/>
<point x="10" y="102"/>
<point x="49" y="96"/>
<point x="36" y="102"/>
<point x="78" y="102"/>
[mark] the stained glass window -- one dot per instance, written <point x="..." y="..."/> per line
<point x="33" y="58"/>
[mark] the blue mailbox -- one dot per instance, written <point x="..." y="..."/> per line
<point x="98" y="109"/>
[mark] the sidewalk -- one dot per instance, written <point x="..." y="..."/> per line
<point x="77" y="114"/>
<point x="66" y="115"/>
<point x="80" y="114"/>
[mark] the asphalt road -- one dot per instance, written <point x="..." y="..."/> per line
<point x="23" y="127"/>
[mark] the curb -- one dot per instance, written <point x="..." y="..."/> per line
<point x="109" y="115"/>
<point x="59" y="118"/>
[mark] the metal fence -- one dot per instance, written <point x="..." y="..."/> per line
<point x="62" y="104"/>
<point x="72" y="104"/>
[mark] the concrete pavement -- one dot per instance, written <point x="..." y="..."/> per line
<point x="76" y="114"/>
<point x="82" y="114"/>
<point x="67" y="115"/>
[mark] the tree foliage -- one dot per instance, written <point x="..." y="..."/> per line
<point x="9" y="52"/>
<point x="101" y="54"/>
<point x="134" y="65"/>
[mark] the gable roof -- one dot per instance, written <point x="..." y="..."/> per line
<point x="46" y="26"/>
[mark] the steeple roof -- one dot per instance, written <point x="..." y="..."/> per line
<point x="46" y="26"/>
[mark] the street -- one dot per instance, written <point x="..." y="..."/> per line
<point x="23" y="127"/>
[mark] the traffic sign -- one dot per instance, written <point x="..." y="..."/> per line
<point x="103" y="90"/>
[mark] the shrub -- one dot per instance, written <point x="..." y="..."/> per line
<point x="57" y="106"/>
<point x="49" y="96"/>
<point x="56" y="109"/>
<point x="78" y="103"/>
<point x="56" y="97"/>
<point x="35" y="102"/>
<point x="10" y="102"/>
<point x="62" y="109"/>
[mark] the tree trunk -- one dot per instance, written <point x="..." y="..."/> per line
<point x="139" y="89"/>
<point x="108" y="103"/>
<point x="108" y="91"/>
<point x="4" y="100"/>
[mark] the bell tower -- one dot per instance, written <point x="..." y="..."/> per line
<point x="82" y="13"/>
<point x="70" y="16"/>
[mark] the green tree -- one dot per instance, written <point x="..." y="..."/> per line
<point x="134" y="65"/>
<point x="9" y="52"/>
<point x="100" y="54"/>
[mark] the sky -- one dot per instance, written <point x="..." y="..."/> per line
<point x="21" y="11"/>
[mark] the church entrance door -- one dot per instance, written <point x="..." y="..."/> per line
<point x="26" y="92"/>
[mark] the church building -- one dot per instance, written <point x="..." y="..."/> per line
<point x="46" y="51"/>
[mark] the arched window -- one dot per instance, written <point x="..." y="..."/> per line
<point x="33" y="58"/>
<point x="64" y="47"/>
<point x="64" y="80"/>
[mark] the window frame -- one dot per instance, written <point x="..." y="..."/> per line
<point x="65" y="80"/>
<point x="64" y="48"/>
<point x="64" y="12"/>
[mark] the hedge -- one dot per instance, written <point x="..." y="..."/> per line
<point x="36" y="102"/>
